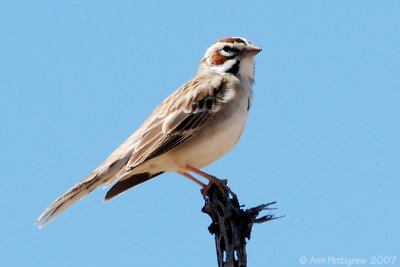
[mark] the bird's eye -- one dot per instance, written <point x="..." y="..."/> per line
<point x="227" y="48"/>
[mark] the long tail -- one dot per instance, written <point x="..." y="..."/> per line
<point x="86" y="186"/>
<point x="128" y="183"/>
<point x="73" y="195"/>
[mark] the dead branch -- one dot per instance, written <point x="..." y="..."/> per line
<point x="230" y="224"/>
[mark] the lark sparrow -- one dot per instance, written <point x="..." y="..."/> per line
<point x="192" y="128"/>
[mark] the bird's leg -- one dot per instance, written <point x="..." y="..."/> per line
<point x="193" y="179"/>
<point x="211" y="178"/>
<point x="201" y="173"/>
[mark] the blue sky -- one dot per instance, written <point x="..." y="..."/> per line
<point x="323" y="137"/>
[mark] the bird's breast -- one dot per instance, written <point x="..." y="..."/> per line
<point x="218" y="136"/>
<point x="214" y="141"/>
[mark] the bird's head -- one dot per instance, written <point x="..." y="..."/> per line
<point x="230" y="55"/>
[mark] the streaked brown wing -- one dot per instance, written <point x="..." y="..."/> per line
<point x="179" y="117"/>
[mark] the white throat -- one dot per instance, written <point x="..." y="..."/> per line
<point x="246" y="70"/>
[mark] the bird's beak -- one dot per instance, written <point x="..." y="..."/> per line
<point x="251" y="51"/>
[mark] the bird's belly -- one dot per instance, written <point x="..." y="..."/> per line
<point x="211" y="144"/>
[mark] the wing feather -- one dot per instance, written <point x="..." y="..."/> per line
<point x="178" y="117"/>
<point x="171" y="124"/>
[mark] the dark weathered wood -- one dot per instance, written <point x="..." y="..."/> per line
<point x="231" y="224"/>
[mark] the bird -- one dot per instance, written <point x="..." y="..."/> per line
<point x="193" y="127"/>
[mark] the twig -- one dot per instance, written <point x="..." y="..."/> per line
<point x="231" y="225"/>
